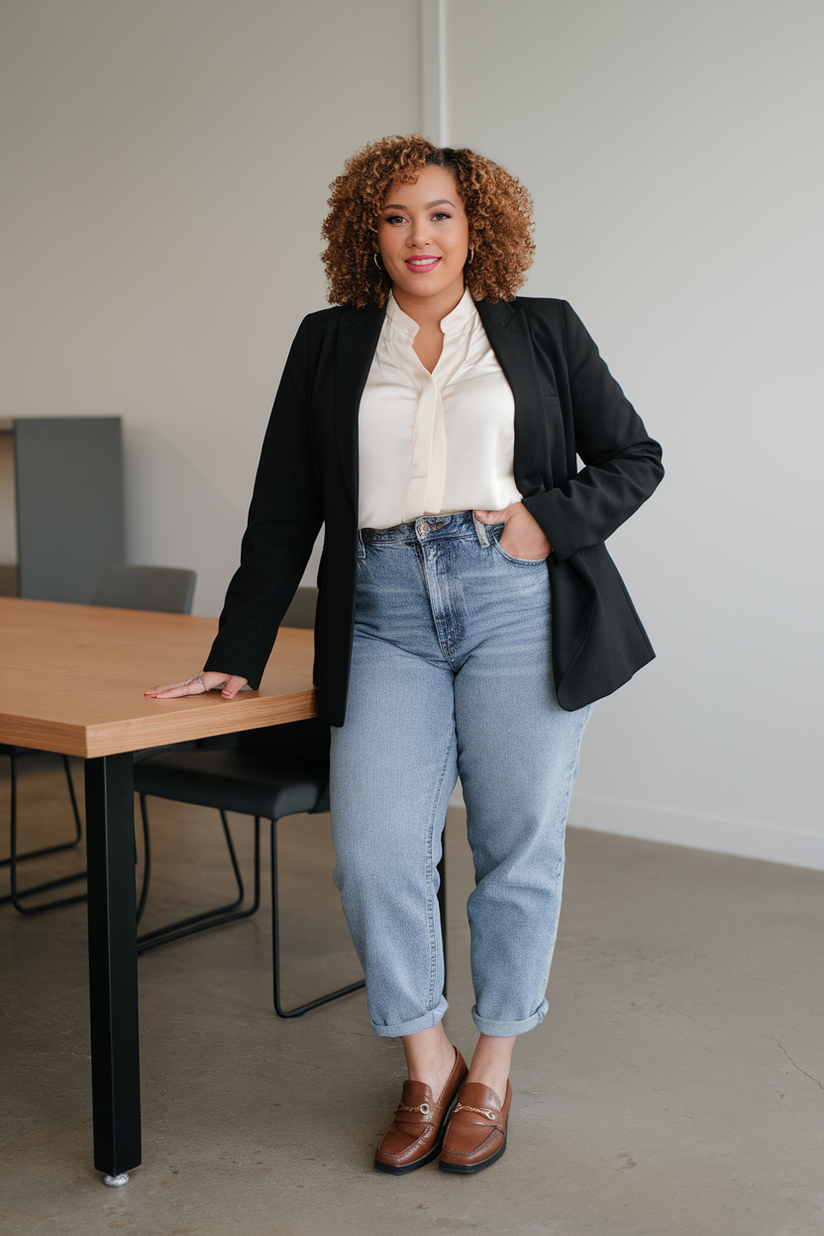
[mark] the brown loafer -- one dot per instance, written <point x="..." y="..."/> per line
<point x="476" y="1136"/>
<point x="414" y="1137"/>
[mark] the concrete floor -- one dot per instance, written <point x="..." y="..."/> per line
<point x="676" y="1088"/>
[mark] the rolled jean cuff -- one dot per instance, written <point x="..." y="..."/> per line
<point x="424" y="1022"/>
<point x="505" y="1029"/>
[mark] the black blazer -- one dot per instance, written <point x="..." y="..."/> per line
<point x="566" y="404"/>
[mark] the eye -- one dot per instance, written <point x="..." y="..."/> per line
<point x="395" y="219"/>
<point x="441" y="214"/>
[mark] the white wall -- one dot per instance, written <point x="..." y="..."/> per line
<point x="165" y="169"/>
<point x="673" y="151"/>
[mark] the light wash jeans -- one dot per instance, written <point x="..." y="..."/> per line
<point x="451" y="674"/>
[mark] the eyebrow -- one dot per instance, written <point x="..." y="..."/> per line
<point x="441" y="201"/>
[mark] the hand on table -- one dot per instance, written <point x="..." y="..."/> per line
<point x="208" y="680"/>
<point x="523" y="536"/>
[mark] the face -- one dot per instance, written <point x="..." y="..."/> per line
<point x="423" y="236"/>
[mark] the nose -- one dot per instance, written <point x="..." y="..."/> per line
<point x="419" y="236"/>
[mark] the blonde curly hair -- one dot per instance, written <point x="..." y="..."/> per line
<point x="498" y="208"/>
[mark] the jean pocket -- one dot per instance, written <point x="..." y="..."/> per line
<point x="527" y="562"/>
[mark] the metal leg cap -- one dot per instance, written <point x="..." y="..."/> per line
<point x="114" y="1182"/>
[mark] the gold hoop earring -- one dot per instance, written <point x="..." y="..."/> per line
<point x="471" y="257"/>
<point x="377" y="262"/>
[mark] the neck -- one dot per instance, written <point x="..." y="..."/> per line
<point x="431" y="310"/>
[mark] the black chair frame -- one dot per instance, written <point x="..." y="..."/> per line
<point x="14" y="858"/>
<point x="229" y="913"/>
<point x="221" y="915"/>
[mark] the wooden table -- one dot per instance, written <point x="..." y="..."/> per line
<point x="71" y="680"/>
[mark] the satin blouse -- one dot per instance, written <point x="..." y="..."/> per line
<point x="440" y="442"/>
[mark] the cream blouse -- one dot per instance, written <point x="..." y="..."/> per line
<point x="440" y="442"/>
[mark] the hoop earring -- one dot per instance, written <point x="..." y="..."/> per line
<point x="471" y="257"/>
<point x="377" y="262"/>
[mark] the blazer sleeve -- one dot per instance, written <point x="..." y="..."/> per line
<point x="285" y="517"/>
<point x="622" y="462"/>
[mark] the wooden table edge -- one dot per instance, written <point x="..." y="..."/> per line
<point x="117" y="737"/>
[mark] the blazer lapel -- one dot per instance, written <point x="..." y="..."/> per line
<point x="357" y="338"/>
<point x="507" y="329"/>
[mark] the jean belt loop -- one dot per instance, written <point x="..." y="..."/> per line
<point x="361" y="546"/>
<point x="480" y="531"/>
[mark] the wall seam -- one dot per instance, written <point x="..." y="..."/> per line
<point x="433" y="71"/>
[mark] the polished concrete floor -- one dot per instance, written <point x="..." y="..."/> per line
<point x="676" y="1088"/>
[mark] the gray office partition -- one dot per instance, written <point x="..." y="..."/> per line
<point x="69" y="501"/>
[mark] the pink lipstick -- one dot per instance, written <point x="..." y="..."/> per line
<point x="421" y="265"/>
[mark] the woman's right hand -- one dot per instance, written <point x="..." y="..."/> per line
<point x="208" y="680"/>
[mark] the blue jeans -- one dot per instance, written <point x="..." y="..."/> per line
<point x="451" y="673"/>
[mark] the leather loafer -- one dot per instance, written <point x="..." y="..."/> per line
<point x="476" y="1135"/>
<point x="414" y="1137"/>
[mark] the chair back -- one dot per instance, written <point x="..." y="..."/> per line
<point x="167" y="589"/>
<point x="301" y="613"/>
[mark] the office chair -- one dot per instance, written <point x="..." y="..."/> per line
<point x="272" y="773"/>
<point x="169" y="589"/>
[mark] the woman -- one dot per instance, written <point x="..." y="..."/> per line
<point x="430" y="420"/>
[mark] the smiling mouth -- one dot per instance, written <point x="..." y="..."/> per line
<point x="422" y="264"/>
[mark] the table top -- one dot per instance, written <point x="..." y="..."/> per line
<point x="72" y="679"/>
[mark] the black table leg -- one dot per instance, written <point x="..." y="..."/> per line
<point x="113" y="965"/>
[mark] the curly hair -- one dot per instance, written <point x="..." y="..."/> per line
<point x="498" y="208"/>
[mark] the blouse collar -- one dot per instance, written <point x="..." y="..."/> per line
<point x="459" y="320"/>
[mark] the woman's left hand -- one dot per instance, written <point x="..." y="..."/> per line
<point x="523" y="536"/>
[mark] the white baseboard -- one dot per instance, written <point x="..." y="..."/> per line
<point x="740" y="838"/>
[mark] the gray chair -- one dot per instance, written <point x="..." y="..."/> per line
<point x="271" y="773"/>
<point x="168" y="589"/>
